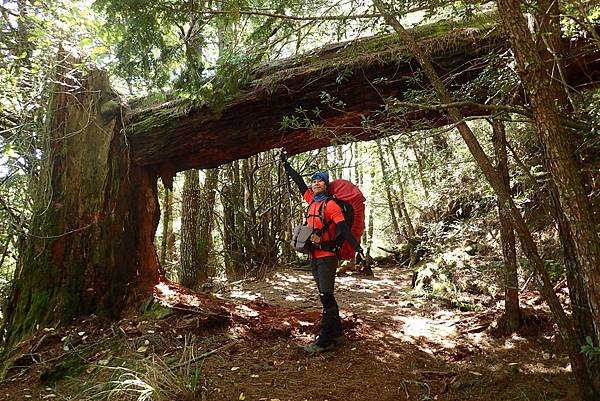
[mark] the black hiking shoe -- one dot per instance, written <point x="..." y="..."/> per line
<point x="367" y="272"/>
<point x="314" y="348"/>
<point x="339" y="340"/>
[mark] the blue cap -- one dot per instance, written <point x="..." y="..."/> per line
<point x="321" y="175"/>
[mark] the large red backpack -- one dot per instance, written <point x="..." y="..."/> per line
<point x="352" y="202"/>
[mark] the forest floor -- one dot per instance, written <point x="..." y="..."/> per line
<point x="402" y="345"/>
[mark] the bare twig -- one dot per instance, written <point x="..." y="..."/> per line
<point x="205" y="355"/>
<point x="304" y="18"/>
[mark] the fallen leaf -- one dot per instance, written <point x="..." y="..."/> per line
<point x="242" y="396"/>
<point x="234" y="368"/>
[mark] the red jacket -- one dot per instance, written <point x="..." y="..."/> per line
<point x="332" y="212"/>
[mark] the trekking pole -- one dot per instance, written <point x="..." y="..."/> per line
<point x="289" y="190"/>
<point x="282" y="154"/>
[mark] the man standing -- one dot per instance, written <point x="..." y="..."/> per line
<point x="326" y="218"/>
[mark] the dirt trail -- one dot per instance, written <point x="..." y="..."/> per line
<point x="402" y="348"/>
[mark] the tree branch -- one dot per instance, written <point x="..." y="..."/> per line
<point x="492" y="107"/>
<point x="304" y="18"/>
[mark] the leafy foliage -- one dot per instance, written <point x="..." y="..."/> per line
<point x="32" y="34"/>
<point x="590" y="350"/>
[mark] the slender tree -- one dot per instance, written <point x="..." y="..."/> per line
<point x="189" y="269"/>
<point x="420" y="168"/>
<point x="565" y="324"/>
<point x="167" y="226"/>
<point x="388" y="191"/>
<point x="512" y="311"/>
<point x="206" y="223"/>
<point x="410" y="229"/>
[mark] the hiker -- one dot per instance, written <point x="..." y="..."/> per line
<point x="324" y="261"/>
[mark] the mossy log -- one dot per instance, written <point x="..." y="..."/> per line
<point x="176" y="136"/>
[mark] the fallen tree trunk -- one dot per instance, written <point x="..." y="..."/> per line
<point x="176" y="136"/>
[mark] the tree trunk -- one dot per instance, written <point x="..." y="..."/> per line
<point x="544" y="92"/>
<point x="512" y="311"/>
<point x="205" y="224"/>
<point x="410" y="229"/>
<point x="228" y="223"/>
<point x="388" y="191"/>
<point x="167" y="227"/>
<point x="580" y="307"/>
<point x="249" y="235"/>
<point x="234" y="223"/>
<point x="90" y="246"/>
<point x="371" y="212"/>
<point x="358" y="170"/>
<point x="190" y="207"/>
<point x="421" y="169"/>
<point x="565" y="325"/>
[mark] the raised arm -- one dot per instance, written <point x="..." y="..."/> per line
<point x="296" y="177"/>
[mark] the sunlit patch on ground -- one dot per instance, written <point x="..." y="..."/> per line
<point x="245" y="311"/>
<point x="247" y="295"/>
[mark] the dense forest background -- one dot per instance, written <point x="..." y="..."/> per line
<point x="524" y="216"/>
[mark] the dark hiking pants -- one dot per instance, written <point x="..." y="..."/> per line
<point x="324" y="270"/>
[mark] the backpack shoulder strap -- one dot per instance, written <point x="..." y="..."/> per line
<point x="326" y="223"/>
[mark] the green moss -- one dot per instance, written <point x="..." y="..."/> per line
<point x="28" y="316"/>
<point x="69" y="366"/>
<point x="384" y="48"/>
<point x="105" y="312"/>
<point x="436" y="38"/>
<point x="151" y="310"/>
<point x="146" y="120"/>
<point x="464" y="306"/>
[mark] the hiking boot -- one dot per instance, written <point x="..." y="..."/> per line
<point x="339" y="340"/>
<point x="314" y="348"/>
<point x="367" y="272"/>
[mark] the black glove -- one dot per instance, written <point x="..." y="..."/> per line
<point x="282" y="156"/>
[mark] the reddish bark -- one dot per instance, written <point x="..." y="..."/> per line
<point x="251" y="122"/>
<point x="90" y="245"/>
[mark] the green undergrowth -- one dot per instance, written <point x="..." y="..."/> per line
<point x="131" y="371"/>
<point x="464" y="259"/>
<point x="152" y="310"/>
